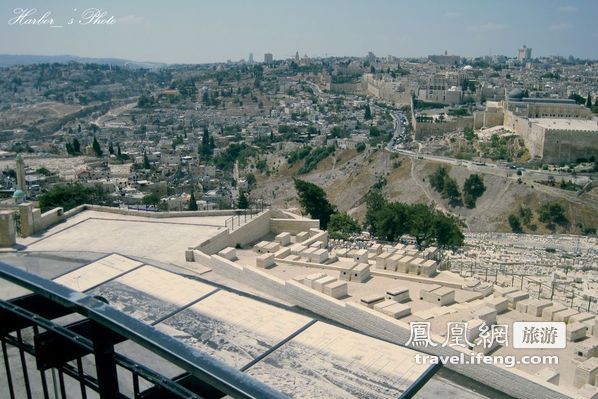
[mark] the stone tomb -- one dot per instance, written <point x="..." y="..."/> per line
<point x="371" y="300"/>
<point x="360" y="273"/>
<point x="564" y="315"/>
<point x="264" y="261"/>
<point x="319" y="284"/>
<point x="382" y="260"/>
<point x="228" y="253"/>
<point x="586" y="372"/>
<point x="399" y="294"/>
<point x="360" y="256"/>
<point x="536" y="306"/>
<point x="336" y="289"/>
<point x="309" y="280"/>
<point x="549" y="312"/>
<point x="499" y="304"/>
<point x="283" y="239"/>
<point x="403" y="264"/>
<point x="576" y="331"/>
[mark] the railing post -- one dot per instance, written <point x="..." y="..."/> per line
<point x="103" y="350"/>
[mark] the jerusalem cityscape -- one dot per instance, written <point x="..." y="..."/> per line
<point x="308" y="199"/>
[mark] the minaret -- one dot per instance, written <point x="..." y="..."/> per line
<point x="20" y="193"/>
<point x="236" y="172"/>
<point x="20" y="173"/>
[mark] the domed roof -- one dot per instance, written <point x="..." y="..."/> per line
<point x="516" y="93"/>
<point x="18" y="194"/>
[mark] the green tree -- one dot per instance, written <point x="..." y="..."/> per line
<point x="437" y="179"/>
<point x="96" y="148"/>
<point x="314" y="202"/>
<point x="342" y="225"/>
<point x="243" y="201"/>
<point x="250" y="180"/>
<point x="525" y="214"/>
<point x="72" y="195"/>
<point x="473" y="188"/>
<point x="552" y="213"/>
<point x="589" y="101"/>
<point x="146" y="162"/>
<point x="392" y="221"/>
<point x="422" y="223"/>
<point x="375" y="203"/>
<point x="451" y="191"/>
<point x="515" y="224"/>
<point x="150" y="199"/>
<point x="447" y="230"/>
<point x="111" y="148"/>
<point x="468" y="133"/>
<point x="205" y="148"/>
<point x="192" y="203"/>
<point x="76" y="147"/>
<point x="368" y="112"/>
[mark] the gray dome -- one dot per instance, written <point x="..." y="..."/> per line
<point x="516" y="93"/>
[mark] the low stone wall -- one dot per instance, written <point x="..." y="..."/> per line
<point x="32" y="220"/>
<point x="424" y="129"/>
<point x="44" y="220"/>
<point x="7" y="228"/>
<point x="510" y="381"/>
<point x="161" y="215"/>
<point x="292" y="226"/>
<point x="243" y="235"/>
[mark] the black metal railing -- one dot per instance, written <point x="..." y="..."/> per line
<point x="243" y="216"/>
<point x="28" y="327"/>
<point x="558" y="290"/>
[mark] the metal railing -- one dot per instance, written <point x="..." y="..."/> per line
<point x="243" y="216"/>
<point x="558" y="291"/>
<point x="27" y="326"/>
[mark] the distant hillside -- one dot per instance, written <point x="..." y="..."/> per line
<point x="7" y="60"/>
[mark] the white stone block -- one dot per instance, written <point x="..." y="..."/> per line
<point x="265" y="260"/>
<point x="548" y="313"/>
<point x="564" y="315"/>
<point x="228" y="253"/>
<point x="398" y="294"/>
<point x="586" y="373"/>
<point x="486" y="314"/>
<point x="319" y="284"/>
<point x="360" y="256"/>
<point x="576" y="331"/>
<point x="371" y="300"/>
<point x="283" y="239"/>
<point x="309" y="280"/>
<point x="499" y="304"/>
<point x="300" y="237"/>
<point x="336" y="289"/>
<point x="536" y="306"/>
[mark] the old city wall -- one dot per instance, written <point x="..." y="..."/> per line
<point x="569" y="145"/>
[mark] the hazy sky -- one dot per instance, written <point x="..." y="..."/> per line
<point x="177" y="31"/>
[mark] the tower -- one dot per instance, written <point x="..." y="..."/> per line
<point x="20" y="193"/>
<point x="20" y="173"/>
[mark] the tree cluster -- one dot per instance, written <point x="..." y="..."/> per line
<point x="73" y="148"/>
<point x="473" y="187"/>
<point x="71" y="196"/>
<point x="391" y="220"/>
